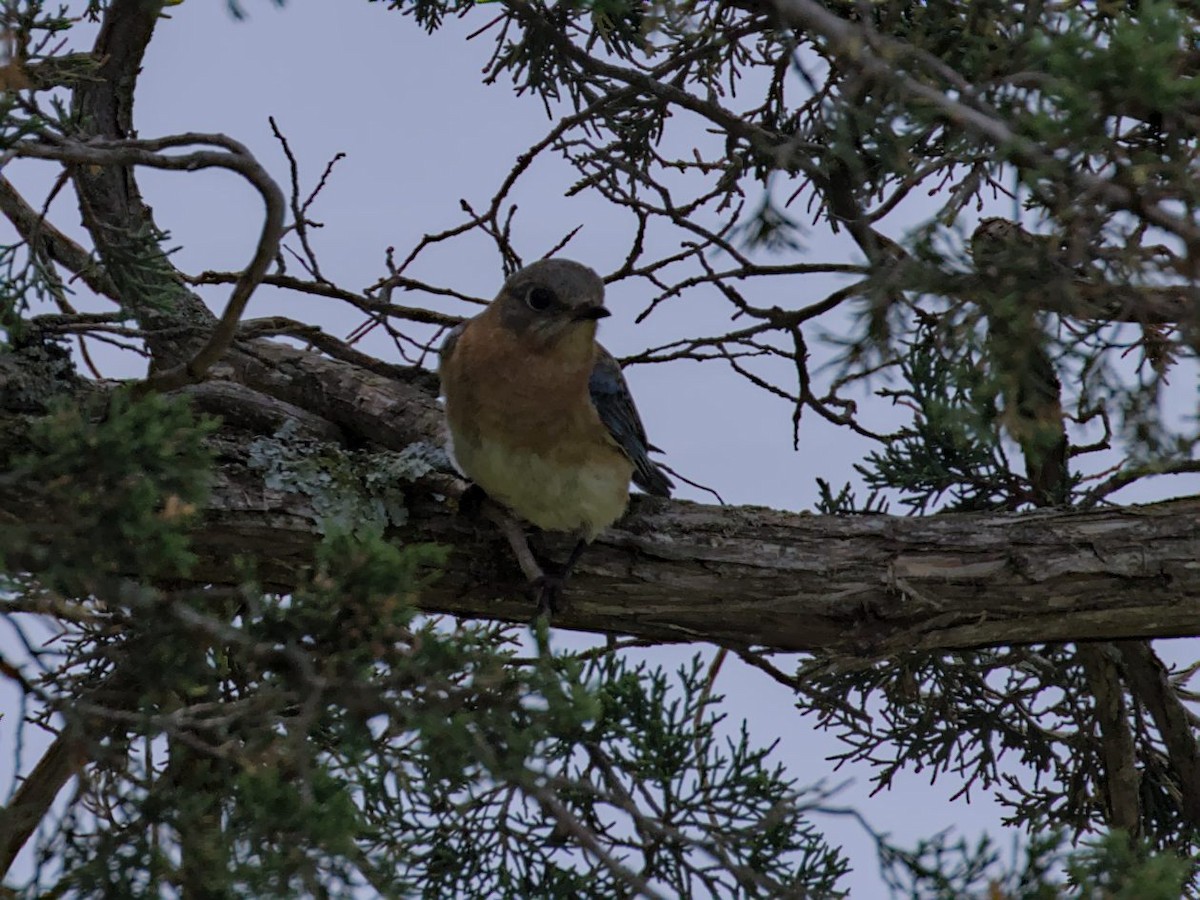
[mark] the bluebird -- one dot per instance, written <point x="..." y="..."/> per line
<point x="540" y="416"/>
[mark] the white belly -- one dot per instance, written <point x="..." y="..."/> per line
<point x="553" y="497"/>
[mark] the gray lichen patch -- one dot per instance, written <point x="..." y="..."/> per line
<point x="358" y="492"/>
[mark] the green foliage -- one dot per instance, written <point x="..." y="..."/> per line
<point x="1117" y="868"/>
<point x="644" y="760"/>
<point x="953" y="445"/>
<point x="845" y="501"/>
<point x="942" y="868"/>
<point x="118" y="484"/>
<point x="1017" y="722"/>
<point x="660" y="737"/>
<point x="1092" y="94"/>
<point x="355" y="745"/>
<point x="1109" y="868"/>
<point x="978" y="715"/>
<point x="23" y="281"/>
<point x="1098" y="69"/>
<point x="331" y="741"/>
<point x="35" y="27"/>
<point x="142" y="272"/>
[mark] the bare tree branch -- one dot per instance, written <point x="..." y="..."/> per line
<point x="322" y="289"/>
<point x="32" y="801"/>
<point x="234" y="157"/>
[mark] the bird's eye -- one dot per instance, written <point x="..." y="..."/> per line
<point x="539" y="299"/>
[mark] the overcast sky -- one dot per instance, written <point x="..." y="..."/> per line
<point x="420" y="132"/>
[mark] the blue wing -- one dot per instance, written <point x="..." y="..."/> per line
<point x="614" y="403"/>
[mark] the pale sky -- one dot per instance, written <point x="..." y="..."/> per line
<point x="420" y="132"/>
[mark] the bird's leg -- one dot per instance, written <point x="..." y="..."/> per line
<point x="576" y="552"/>
<point x="515" y="534"/>
<point x="550" y="587"/>
<point x="546" y="588"/>
<point x="475" y="501"/>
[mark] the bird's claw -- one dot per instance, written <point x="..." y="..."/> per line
<point x="547" y="591"/>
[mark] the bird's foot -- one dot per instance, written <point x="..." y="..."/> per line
<point x="548" y="589"/>
<point x="547" y="593"/>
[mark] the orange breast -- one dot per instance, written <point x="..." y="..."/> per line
<point x="497" y="386"/>
<point x="524" y="429"/>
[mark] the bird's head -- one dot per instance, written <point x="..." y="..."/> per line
<point x="552" y="302"/>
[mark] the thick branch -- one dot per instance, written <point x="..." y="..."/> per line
<point x="1151" y="685"/>
<point x="866" y="585"/>
<point x="121" y="225"/>
<point x="741" y="577"/>
<point x="1117" y="749"/>
<point x="33" y="799"/>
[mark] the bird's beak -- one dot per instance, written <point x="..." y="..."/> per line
<point x="592" y="313"/>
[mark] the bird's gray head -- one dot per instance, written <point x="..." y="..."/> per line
<point x="552" y="299"/>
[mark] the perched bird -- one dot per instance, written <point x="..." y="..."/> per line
<point x="540" y="417"/>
